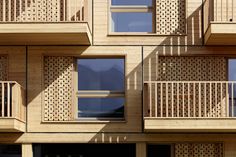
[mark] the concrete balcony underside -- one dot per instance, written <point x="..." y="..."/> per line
<point x="58" y="33"/>
<point x="12" y="125"/>
<point x="220" y="33"/>
<point x="189" y="124"/>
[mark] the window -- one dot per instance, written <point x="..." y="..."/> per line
<point x="160" y="150"/>
<point x="232" y="87"/>
<point x="10" y="150"/>
<point x="84" y="150"/>
<point x="132" y="16"/>
<point x="101" y="87"/>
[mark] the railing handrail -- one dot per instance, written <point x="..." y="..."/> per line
<point x="13" y="82"/>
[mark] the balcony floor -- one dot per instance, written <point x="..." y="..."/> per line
<point x="221" y="34"/>
<point x="190" y="124"/>
<point x="58" y="33"/>
<point x="11" y="125"/>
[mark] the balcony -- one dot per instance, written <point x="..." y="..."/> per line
<point x="220" y="22"/>
<point x="190" y="106"/>
<point x="41" y="22"/>
<point x="12" y="107"/>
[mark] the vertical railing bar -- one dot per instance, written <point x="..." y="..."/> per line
<point x="4" y="10"/>
<point x="69" y="9"/>
<point x="227" y="99"/>
<point x="221" y="99"/>
<point x="8" y="99"/>
<point x="3" y="104"/>
<point x="20" y="10"/>
<point x="194" y="100"/>
<point x="64" y="10"/>
<point x="205" y="100"/>
<point x="172" y="99"/>
<point x="210" y="100"/>
<point x="189" y="100"/>
<point x="177" y="99"/>
<point x="9" y="10"/>
<point x="83" y="14"/>
<point x="227" y="10"/>
<point x="150" y="100"/>
<point x="155" y="104"/>
<point x="75" y="6"/>
<point x="216" y="102"/>
<point x="161" y="100"/>
<point x="221" y="10"/>
<point x="232" y="99"/>
<point x="26" y="15"/>
<point x="31" y="11"/>
<point x="167" y="106"/>
<point x="183" y="100"/>
<point x="14" y="11"/>
<point x="216" y="105"/>
<point x="216" y="10"/>
<point x="232" y="10"/>
<point x="58" y="12"/>
<point x="36" y="10"/>
<point x="199" y="100"/>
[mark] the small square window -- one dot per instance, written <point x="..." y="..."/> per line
<point x="132" y="16"/>
<point x="101" y="87"/>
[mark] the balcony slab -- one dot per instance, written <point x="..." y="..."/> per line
<point x="12" y="125"/>
<point x="219" y="33"/>
<point x="57" y="33"/>
<point x="190" y="125"/>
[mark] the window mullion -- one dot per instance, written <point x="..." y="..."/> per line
<point x="99" y="94"/>
<point x="141" y="9"/>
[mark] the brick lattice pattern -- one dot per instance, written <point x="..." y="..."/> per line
<point x="58" y="88"/>
<point x="171" y="17"/>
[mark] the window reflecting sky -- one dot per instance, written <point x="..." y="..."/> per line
<point x="101" y="74"/>
<point x="232" y="69"/>
<point x="131" y="22"/>
<point x="132" y="2"/>
<point x="101" y="107"/>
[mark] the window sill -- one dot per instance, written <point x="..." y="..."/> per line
<point x="88" y="120"/>
<point x="141" y="34"/>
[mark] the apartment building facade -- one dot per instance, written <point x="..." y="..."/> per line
<point x="135" y="78"/>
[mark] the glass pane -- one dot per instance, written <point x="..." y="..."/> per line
<point x="131" y="22"/>
<point x="159" y="151"/>
<point x="232" y="69"/>
<point x="101" y="74"/>
<point x="85" y="150"/>
<point x="232" y="77"/>
<point x="101" y="107"/>
<point x="132" y="2"/>
<point x="10" y="151"/>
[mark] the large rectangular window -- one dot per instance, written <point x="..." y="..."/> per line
<point x="10" y="150"/>
<point x="101" y="87"/>
<point x="84" y="150"/>
<point x="132" y="16"/>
